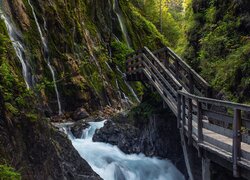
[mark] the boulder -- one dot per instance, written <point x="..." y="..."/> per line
<point x="78" y="128"/>
<point x="124" y="136"/>
<point x="80" y="113"/>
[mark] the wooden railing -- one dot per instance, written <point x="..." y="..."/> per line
<point x="187" y="77"/>
<point x="219" y="126"/>
<point x="193" y="109"/>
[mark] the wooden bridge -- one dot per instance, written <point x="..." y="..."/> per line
<point x="215" y="127"/>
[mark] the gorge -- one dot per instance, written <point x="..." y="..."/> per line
<point x="64" y="68"/>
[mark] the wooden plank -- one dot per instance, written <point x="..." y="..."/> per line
<point x="185" y="65"/>
<point x="218" y="116"/>
<point x="217" y="102"/>
<point x="159" y="74"/>
<point x="155" y="78"/>
<point x="148" y="52"/>
<point x="170" y="104"/>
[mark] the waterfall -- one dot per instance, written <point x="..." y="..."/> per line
<point x="122" y="95"/>
<point x="127" y="84"/>
<point x="19" y="49"/>
<point x="112" y="164"/>
<point x="46" y="54"/>
<point x="118" y="13"/>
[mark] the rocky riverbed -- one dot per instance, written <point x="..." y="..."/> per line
<point x="154" y="137"/>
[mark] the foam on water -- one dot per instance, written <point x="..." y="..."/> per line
<point x="112" y="164"/>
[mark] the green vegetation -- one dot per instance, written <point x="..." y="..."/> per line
<point x="17" y="98"/>
<point x="119" y="52"/>
<point x="8" y="173"/>
<point x="218" y="45"/>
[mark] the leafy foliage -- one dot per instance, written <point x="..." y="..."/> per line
<point x="218" y="45"/>
<point x="8" y="173"/>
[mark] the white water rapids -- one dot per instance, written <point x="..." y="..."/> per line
<point x="112" y="164"/>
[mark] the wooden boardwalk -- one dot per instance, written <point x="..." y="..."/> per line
<point x="211" y="125"/>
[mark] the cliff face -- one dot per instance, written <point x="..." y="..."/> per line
<point x="59" y="56"/>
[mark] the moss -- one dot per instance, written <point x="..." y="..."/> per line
<point x="217" y="46"/>
<point x="32" y="117"/>
<point x="149" y="106"/>
<point x="141" y="31"/>
<point x="8" y="173"/>
<point x="119" y="52"/>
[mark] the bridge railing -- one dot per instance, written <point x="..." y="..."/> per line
<point x="144" y="66"/>
<point x="193" y="111"/>
<point x="189" y="79"/>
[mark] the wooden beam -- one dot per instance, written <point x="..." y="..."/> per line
<point x="200" y="124"/>
<point x="236" y="141"/>
<point x="178" y="110"/>
<point x="190" y="119"/>
<point x="217" y="102"/>
<point x="183" y="111"/>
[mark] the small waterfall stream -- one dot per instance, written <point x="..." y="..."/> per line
<point x="19" y="49"/>
<point x="127" y="84"/>
<point x="112" y="164"/>
<point x="118" y="13"/>
<point x="46" y="53"/>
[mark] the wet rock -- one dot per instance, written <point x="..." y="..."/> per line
<point x="155" y="136"/>
<point x="19" y="12"/>
<point x="45" y="152"/>
<point x="79" y="114"/>
<point x="124" y="136"/>
<point x="78" y="128"/>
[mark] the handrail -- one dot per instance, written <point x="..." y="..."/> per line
<point x="182" y="89"/>
<point x="188" y="67"/>
<point x="147" y="51"/>
<point x="216" y="102"/>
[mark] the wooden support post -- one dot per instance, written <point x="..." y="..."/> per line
<point x="177" y="73"/>
<point x="178" y="110"/>
<point x="206" y="174"/>
<point x="200" y="124"/>
<point x="236" y="141"/>
<point x="183" y="111"/>
<point x="191" y="83"/>
<point x="166" y="62"/>
<point x="190" y="117"/>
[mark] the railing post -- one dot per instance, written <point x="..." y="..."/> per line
<point x="166" y="62"/>
<point x="191" y="83"/>
<point x="200" y="124"/>
<point x="178" y="110"/>
<point x="177" y="73"/>
<point x="183" y="111"/>
<point x="190" y="118"/>
<point x="236" y="141"/>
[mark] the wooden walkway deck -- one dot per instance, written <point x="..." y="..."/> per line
<point x="220" y="127"/>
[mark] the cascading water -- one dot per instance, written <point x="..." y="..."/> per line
<point x="127" y="84"/>
<point x="118" y="13"/>
<point x="122" y="95"/>
<point x="46" y="54"/>
<point x="112" y="164"/>
<point x="19" y="49"/>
